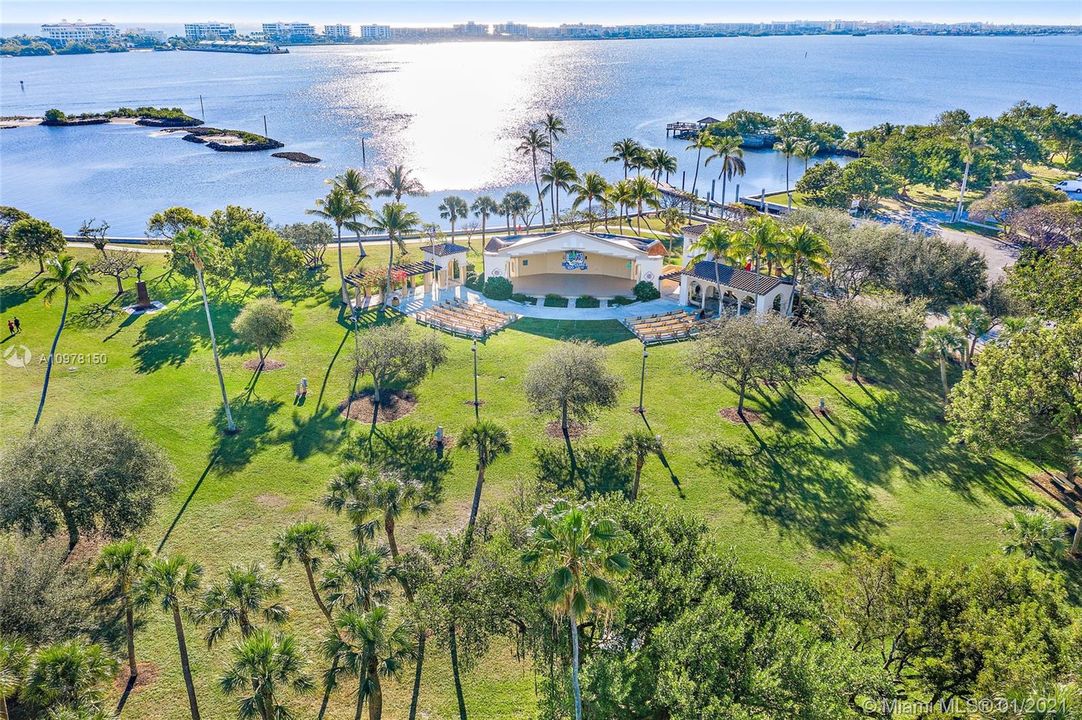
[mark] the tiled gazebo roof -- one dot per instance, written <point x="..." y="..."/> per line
<point x="736" y="278"/>
<point x="445" y="248"/>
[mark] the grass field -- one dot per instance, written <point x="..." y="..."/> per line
<point x="793" y="493"/>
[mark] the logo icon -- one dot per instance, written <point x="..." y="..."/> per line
<point x="17" y="356"/>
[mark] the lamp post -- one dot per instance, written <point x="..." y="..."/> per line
<point x="476" y="401"/>
<point x="642" y="382"/>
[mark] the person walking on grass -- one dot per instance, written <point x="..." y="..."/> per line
<point x="11" y="327"/>
<point x="18" y="325"/>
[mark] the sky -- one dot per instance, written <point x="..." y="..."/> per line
<point x="540" y="12"/>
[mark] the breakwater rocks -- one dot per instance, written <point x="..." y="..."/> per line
<point x="231" y="140"/>
<point x="296" y="157"/>
<point x="75" y="122"/>
<point x="169" y="122"/>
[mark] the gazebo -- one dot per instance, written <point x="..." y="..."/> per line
<point x="449" y="262"/>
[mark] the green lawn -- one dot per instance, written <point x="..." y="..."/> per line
<point x="794" y="493"/>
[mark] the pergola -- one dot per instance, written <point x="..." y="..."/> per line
<point x="410" y="270"/>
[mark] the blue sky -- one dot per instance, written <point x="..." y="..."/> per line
<point x="416" y="12"/>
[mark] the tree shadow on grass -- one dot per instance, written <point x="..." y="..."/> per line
<point x="12" y="296"/>
<point x="317" y="433"/>
<point x="253" y="418"/>
<point x="169" y="337"/>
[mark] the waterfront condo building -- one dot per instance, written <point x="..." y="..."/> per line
<point x="376" y="32"/>
<point x="210" y="31"/>
<point x="338" y="32"/>
<point x="65" y="32"/>
<point x="289" y="31"/>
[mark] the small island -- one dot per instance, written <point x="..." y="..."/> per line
<point x="146" y="116"/>
<point x="296" y="157"/>
<point x="224" y="140"/>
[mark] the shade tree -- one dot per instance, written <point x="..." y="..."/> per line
<point x="82" y="474"/>
<point x="9" y="216"/>
<point x="311" y="239"/>
<point x="1029" y="281"/>
<point x="117" y="264"/>
<point x="392" y="356"/>
<point x="33" y="239"/>
<point x="265" y="258"/>
<point x="265" y="325"/>
<point x="748" y="352"/>
<point x="871" y="328"/>
<point x="233" y="224"/>
<point x="168" y="223"/>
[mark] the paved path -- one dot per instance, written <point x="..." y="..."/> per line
<point x="999" y="255"/>
<point x="127" y="247"/>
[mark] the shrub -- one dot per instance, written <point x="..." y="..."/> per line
<point x="498" y="288"/>
<point x="645" y="290"/>
<point x="53" y="115"/>
<point x="524" y="299"/>
<point x="555" y="301"/>
<point x="587" y="301"/>
<point x="621" y="300"/>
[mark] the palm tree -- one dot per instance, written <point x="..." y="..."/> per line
<point x="972" y="144"/>
<point x="672" y="218"/>
<point x="359" y="580"/>
<point x="396" y="220"/>
<point x="72" y="277"/>
<point x="453" y="208"/>
<point x="1034" y="532"/>
<point x="69" y="675"/>
<point x="397" y="182"/>
<point x="306" y="542"/>
<point x="532" y="142"/>
<point x="806" y="150"/>
<point x="263" y="667"/>
<point x="171" y="579"/>
<point x="728" y="150"/>
<point x="974" y="322"/>
<point x="559" y="177"/>
<point x="341" y="208"/>
<point x="662" y="161"/>
<point x="360" y="187"/>
<point x="759" y="239"/>
<point x="371" y="648"/>
<point x="590" y="187"/>
<point x="246" y="592"/>
<point x="553" y="125"/>
<point x="625" y="151"/>
<point x="14" y="659"/>
<point x="807" y="252"/>
<point x="507" y="209"/>
<point x="787" y="146"/>
<point x="641" y="192"/>
<point x="714" y="244"/>
<point x="640" y="445"/>
<point x="941" y="342"/>
<point x="124" y="562"/>
<point x="576" y="554"/>
<point x="490" y="441"/>
<point x="198" y="246"/>
<point x="519" y="204"/>
<point x="369" y="498"/>
<point x="702" y="140"/>
<point x="619" y="196"/>
<point x="485" y="207"/>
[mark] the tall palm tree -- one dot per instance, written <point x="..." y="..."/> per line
<point x="520" y="205"/>
<point x="625" y="151"/>
<point x="490" y="441"/>
<point x="728" y="150"/>
<point x="14" y="660"/>
<point x="641" y="191"/>
<point x="199" y="247"/>
<point x="553" y="124"/>
<point x="941" y="342"/>
<point x="807" y="252"/>
<point x="532" y="142"/>
<point x="590" y="187"/>
<point x="73" y="278"/>
<point x="972" y="143"/>
<point x="263" y="667"/>
<point x="702" y="141"/>
<point x="714" y="244"/>
<point x="619" y="196"/>
<point x="396" y="220"/>
<point x="760" y="239"/>
<point x="372" y="648"/>
<point x="245" y="593"/>
<point x="507" y="209"/>
<point x="341" y="208"/>
<point x="485" y="207"/>
<point x="561" y="176"/>
<point x="640" y="445"/>
<point x="306" y="542"/>
<point x="672" y="218"/>
<point x="370" y="498"/>
<point x="69" y="676"/>
<point x="171" y="580"/>
<point x="360" y="187"/>
<point x="787" y="146"/>
<point x="662" y="161"/>
<point x="807" y="149"/>
<point x="453" y="208"/>
<point x="124" y="562"/>
<point x="397" y="182"/>
<point x="577" y="555"/>
<point x="359" y="580"/>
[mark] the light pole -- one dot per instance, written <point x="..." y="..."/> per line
<point x="642" y="382"/>
<point x="476" y="401"/>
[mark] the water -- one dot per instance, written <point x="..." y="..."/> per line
<point x="453" y="112"/>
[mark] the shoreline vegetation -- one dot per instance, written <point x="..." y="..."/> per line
<point x="169" y="120"/>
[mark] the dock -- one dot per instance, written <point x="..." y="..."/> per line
<point x="682" y="130"/>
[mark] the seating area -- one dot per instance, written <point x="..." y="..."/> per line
<point x="667" y="327"/>
<point x="474" y="320"/>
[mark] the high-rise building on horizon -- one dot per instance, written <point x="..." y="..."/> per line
<point x="289" y="31"/>
<point x="79" y="31"/>
<point x="210" y="30"/>
<point x="338" y="31"/>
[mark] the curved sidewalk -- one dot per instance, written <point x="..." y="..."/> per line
<point x="619" y="312"/>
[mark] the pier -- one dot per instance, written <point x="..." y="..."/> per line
<point x="682" y="130"/>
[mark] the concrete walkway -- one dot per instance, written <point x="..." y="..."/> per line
<point x="421" y="300"/>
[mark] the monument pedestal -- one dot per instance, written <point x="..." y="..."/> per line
<point x="142" y="300"/>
